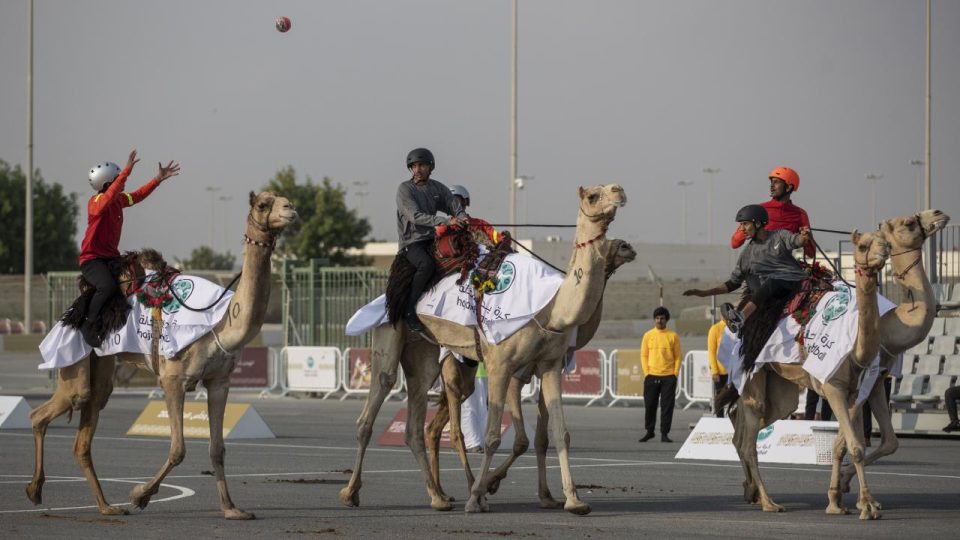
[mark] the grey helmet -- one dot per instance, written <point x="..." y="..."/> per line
<point x="103" y="173"/>
<point x="461" y="191"/>
<point x="420" y="154"/>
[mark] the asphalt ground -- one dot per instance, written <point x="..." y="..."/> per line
<point x="292" y="483"/>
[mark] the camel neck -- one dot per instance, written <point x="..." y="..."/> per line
<point x="867" y="343"/>
<point x="909" y="323"/>
<point x="247" y="308"/>
<point x="581" y="291"/>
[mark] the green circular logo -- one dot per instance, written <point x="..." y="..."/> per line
<point x="505" y="277"/>
<point x="837" y="305"/>
<point x="184" y="288"/>
<point x="310" y="362"/>
<point x="764" y="433"/>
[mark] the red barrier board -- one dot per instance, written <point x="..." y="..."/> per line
<point x="586" y="378"/>
<point x="252" y="369"/>
<point x="395" y="434"/>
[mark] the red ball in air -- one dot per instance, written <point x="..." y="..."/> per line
<point x="283" y="24"/>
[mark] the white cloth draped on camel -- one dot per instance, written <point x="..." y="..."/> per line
<point x="829" y="336"/>
<point x="524" y="287"/>
<point x="64" y="346"/>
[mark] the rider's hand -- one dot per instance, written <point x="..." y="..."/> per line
<point x="805" y="235"/>
<point x="172" y="169"/>
<point x="132" y="160"/>
<point x="459" y="221"/>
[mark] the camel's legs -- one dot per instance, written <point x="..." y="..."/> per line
<point x="73" y="387"/>
<point x="551" y="390"/>
<point x="217" y="392"/>
<point x="888" y="439"/>
<point x="174" y="390"/>
<point x="101" y="387"/>
<point x="497" y="388"/>
<point x="750" y="492"/>
<point x="869" y="508"/>
<point x="541" y="443"/>
<point x="520" y="441"/>
<point x="748" y="423"/>
<point x="458" y="385"/>
<point x="422" y="372"/>
<point x="384" y="364"/>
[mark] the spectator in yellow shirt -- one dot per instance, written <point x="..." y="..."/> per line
<point x="717" y="371"/>
<point x="660" y="359"/>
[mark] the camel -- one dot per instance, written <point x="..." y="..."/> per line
<point x="458" y="385"/>
<point x="209" y="359"/>
<point x="771" y="393"/>
<point x="543" y="342"/>
<point x="908" y="324"/>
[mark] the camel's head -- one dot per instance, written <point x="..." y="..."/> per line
<point x="909" y="232"/>
<point x="270" y="212"/>
<point x="600" y="203"/>
<point x="870" y="251"/>
<point x="619" y="252"/>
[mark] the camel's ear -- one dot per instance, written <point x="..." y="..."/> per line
<point x="855" y="236"/>
<point x="253" y="197"/>
<point x="581" y="191"/>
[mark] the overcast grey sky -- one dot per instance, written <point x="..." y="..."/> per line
<point x="641" y="93"/>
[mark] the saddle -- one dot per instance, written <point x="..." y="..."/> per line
<point x="113" y="315"/>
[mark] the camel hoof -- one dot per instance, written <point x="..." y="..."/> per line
<point x="837" y="510"/>
<point x="114" y="511"/>
<point x="871" y="510"/>
<point x="139" y="498"/>
<point x="349" y="497"/>
<point x="579" y="508"/>
<point x="440" y="504"/>
<point x="751" y="494"/>
<point x="771" y="506"/>
<point x="550" y="503"/>
<point x="476" y="506"/>
<point x="35" y="493"/>
<point x="448" y="498"/>
<point x="493" y="486"/>
<point x="236" y="513"/>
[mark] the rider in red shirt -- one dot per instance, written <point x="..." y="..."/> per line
<point x="781" y="211"/>
<point x="104" y="224"/>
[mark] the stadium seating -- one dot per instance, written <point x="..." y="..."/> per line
<point x="928" y="364"/>
<point x="944" y="345"/>
<point x="951" y="326"/>
<point x="910" y="385"/>
<point x="920" y="348"/>
<point x="938" y="326"/>
<point x="934" y="389"/>
<point x="951" y="365"/>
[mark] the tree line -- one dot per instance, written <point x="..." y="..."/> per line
<point x="326" y="227"/>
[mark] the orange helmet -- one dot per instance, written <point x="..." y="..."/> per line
<point x="788" y="175"/>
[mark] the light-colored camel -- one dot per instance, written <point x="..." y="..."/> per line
<point x="543" y="341"/>
<point x="209" y="359"/>
<point x="905" y="326"/>
<point x="458" y="384"/>
<point x="771" y="393"/>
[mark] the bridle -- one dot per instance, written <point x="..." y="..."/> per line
<point x="923" y="232"/>
<point x="264" y="228"/>
<point x="596" y="217"/>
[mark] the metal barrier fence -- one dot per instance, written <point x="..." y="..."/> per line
<point x="318" y="302"/>
<point x="61" y="292"/>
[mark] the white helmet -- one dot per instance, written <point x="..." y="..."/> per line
<point x="461" y="191"/>
<point x="102" y="173"/>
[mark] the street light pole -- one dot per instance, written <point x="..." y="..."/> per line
<point x="28" y="191"/>
<point x="683" y="206"/>
<point x="932" y="270"/>
<point x="711" y="173"/>
<point x="919" y="163"/>
<point x="873" y="178"/>
<point x="513" y="126"/>
<point x="212" y="191"/>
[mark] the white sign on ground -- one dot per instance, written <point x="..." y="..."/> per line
<point x="14" y="413"/>
<point x="240" y="421"/>
<point x="786" y="441"/>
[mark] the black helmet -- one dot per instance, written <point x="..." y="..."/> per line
<point x="753" y="213"/>
<point x="661" y="311"/>
<point x="420" y="154"/>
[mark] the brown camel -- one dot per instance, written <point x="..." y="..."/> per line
<point x="542" y="341"/>
<point x="771" y="394"/>
<point x="458" y="384"/>
<point x="210" y="359"/>
<point x="908" y="324"/>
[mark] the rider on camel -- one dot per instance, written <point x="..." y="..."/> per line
<point x="101" y="242"/>
<point x="781" y="212"/>
<point x="489" y="236"/>
<point x="418" y="200"/>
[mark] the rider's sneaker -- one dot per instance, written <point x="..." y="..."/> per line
<point x="413" y="323"/>
<point x="732" y="317"/>
<point x="90" y="334"/>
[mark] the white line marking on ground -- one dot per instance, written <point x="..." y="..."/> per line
<point x="184" y="492"/>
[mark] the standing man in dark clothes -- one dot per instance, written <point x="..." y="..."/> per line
<point x="418" y="201"/>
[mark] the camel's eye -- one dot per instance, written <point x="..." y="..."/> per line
<point x="593" y="197"/>
<point x="263" y="206"/>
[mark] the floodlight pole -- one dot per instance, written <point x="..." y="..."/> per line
<point x="28" y="191"/>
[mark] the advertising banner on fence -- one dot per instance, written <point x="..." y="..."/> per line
<point x="252" y="369"/>
<point x="786" y="441"/>
<point x="586" y="378"/>
<point x="702" y="380"/>
<point x="358" y="366"/>
<point x="311" y="368"/>
<point x="629" y="373"/>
